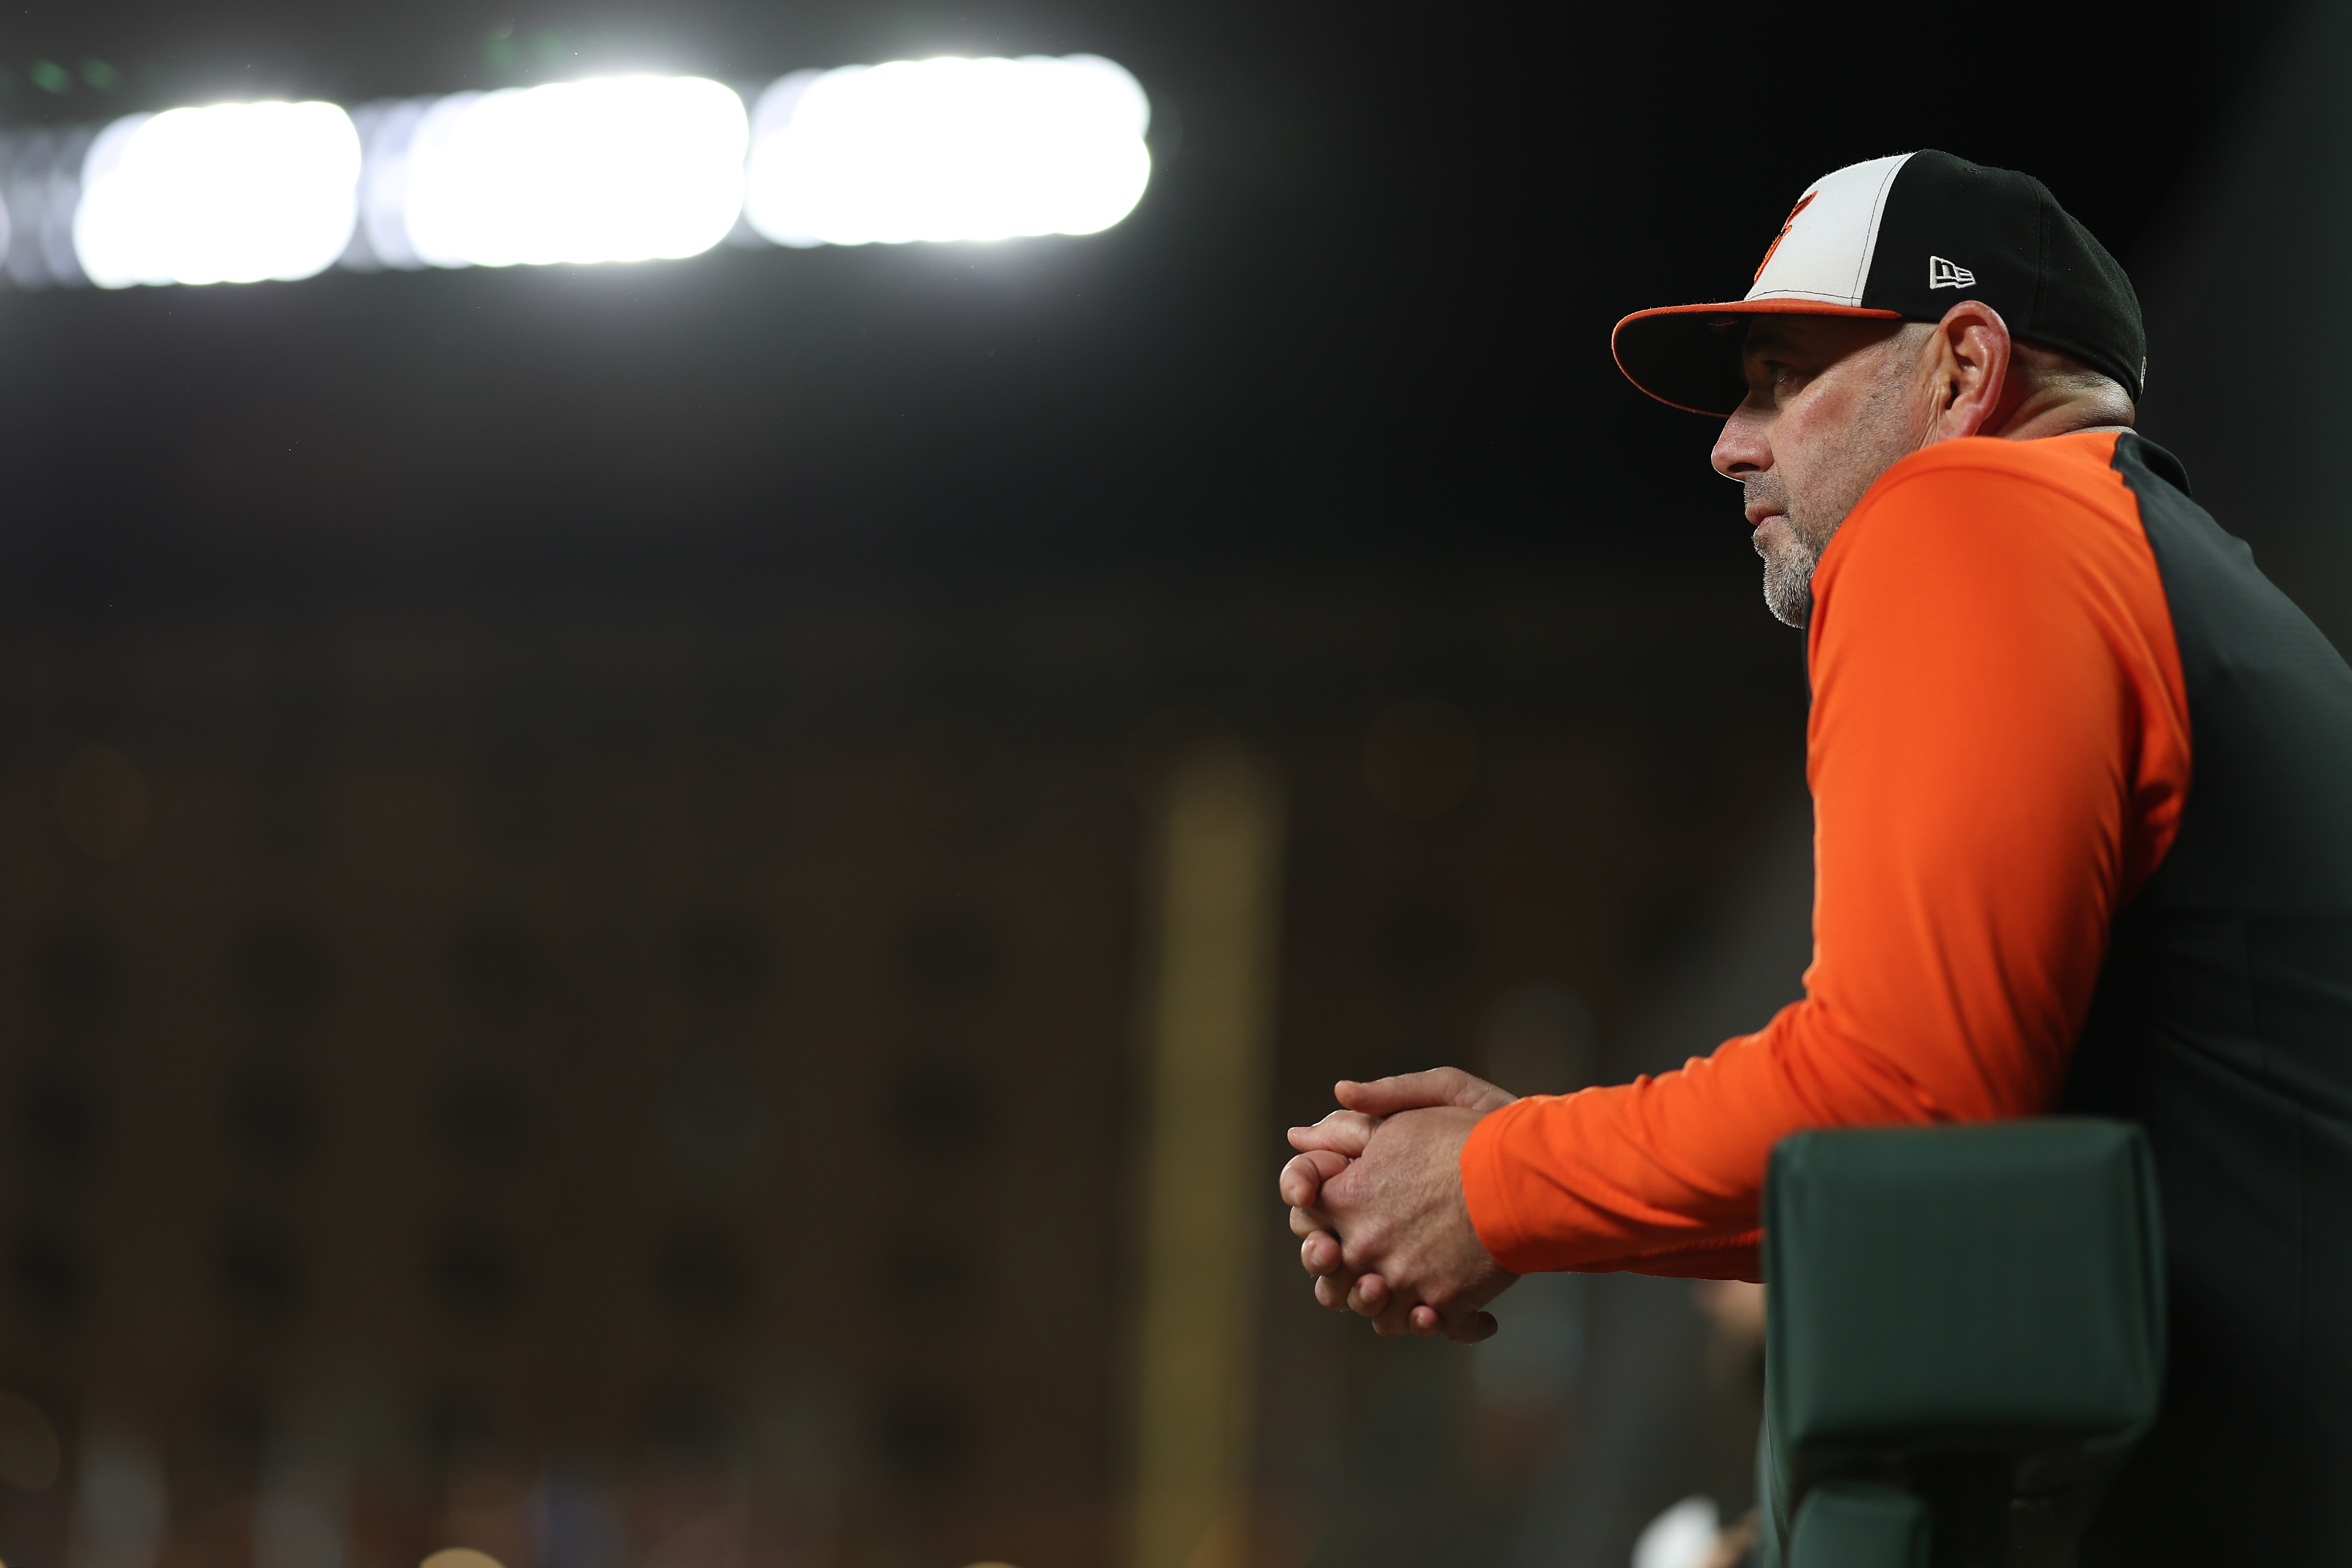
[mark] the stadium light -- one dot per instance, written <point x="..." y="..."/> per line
<point x="625" y="170"/>
<point x="947" y="148"/>
<point x="622" y="169"/>
<point x="233" y="194"/>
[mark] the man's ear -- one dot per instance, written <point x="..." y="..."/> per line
<point x="1970" y="351"/>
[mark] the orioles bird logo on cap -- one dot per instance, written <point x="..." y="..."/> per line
<point x="1802" y="203"/>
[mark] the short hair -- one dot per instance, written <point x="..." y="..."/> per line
<point x="2060" y="370"/>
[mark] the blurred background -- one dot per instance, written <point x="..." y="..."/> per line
<point x="667" y="914"/>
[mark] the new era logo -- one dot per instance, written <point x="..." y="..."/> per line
<point x="1943" y="274"/>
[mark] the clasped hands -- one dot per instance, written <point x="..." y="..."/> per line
<point x="1375" y="1197"/>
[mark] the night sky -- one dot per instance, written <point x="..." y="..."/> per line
<point x="1358" y="323"/>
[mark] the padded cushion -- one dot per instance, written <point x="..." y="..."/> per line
<point x="1995" y="1286"/>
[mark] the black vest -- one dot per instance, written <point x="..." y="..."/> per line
<point x="2223" y="1024"/>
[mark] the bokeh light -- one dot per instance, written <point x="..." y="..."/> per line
<point x="627" y="169"/>
<point x="233" y="194"/>
<point x="947" y="148"/>
<point x="619" y="169"/>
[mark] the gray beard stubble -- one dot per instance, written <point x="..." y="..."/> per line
<point x="1788" y="566"/>
<point x="1789" y="578"/>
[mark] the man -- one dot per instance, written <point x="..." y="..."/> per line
<point x="2082" y="795"/>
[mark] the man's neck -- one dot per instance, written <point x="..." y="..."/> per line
<point x="2044" y="413"/>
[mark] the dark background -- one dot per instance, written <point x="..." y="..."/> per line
<point x="613" y="1045"/>
<point x="1359" y="318"/>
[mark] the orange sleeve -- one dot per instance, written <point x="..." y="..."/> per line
<point x="1998" y="752"/>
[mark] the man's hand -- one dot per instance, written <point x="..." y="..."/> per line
<point x="1385" y="1176"/>
<point x="1326" y="1147"/>
<point x="1344" y="1131"/>
<point x="1405" y="1230"/>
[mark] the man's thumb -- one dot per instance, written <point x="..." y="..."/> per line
<point x="1415" y="1090"/>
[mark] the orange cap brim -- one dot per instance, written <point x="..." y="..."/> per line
<point x="1688" y="357"/>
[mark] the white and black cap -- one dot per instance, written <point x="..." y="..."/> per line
<point x="1904" y="239"/>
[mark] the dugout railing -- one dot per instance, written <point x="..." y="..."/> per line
<point x="1965" y="1340"/>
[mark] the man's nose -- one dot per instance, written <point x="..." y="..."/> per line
<point x="1745" y="447"/>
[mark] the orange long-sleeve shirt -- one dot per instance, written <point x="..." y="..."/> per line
<point x="1998" y="753"/>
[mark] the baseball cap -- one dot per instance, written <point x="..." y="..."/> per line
<point x="1904" y="239"/>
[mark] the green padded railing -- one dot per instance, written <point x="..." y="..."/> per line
<point x="1966" y="1337"/>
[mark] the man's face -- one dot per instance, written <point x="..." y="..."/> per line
<point x="1832" y="403"/>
